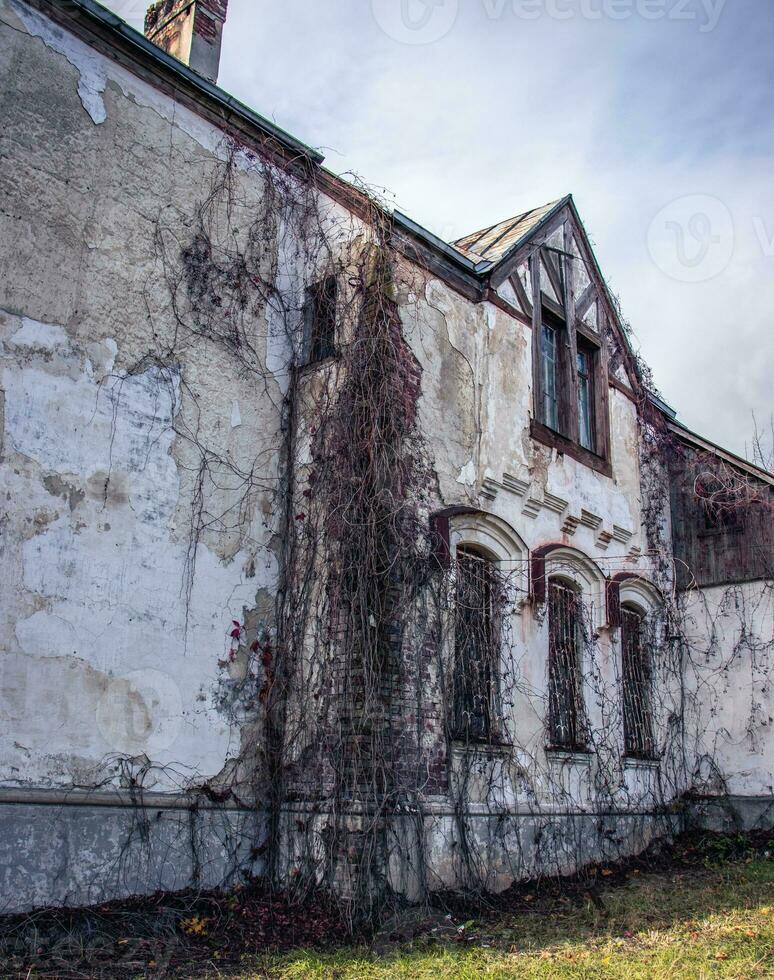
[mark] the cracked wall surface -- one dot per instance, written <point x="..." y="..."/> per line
<point x="104" y="653"/>
<point x="134" y="562"/>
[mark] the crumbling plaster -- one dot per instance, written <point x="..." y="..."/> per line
<point x="108" y="654"/>
<point x="94" y="566"/>
<point x="97" y="481"/>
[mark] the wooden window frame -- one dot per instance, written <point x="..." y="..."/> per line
<point x="575" y="335"/>
<point x="550" y="318"/>
<point x="550" y="402"/>
<point x="591" y="355"/>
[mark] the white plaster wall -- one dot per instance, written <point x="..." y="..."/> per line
<point x="100" y="658"/>
<point x="103" y="654"/>
<point x="729" y="673"/>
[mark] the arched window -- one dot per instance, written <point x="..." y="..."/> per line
<point x="477" y="630"/>
<point x="488" y="562"/>
<point x="637" y="669"/>
<point x="566" y="710"/>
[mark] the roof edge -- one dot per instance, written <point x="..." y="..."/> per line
<point x="700" y="442"/>
<point x="448" y="251"/>
<point x="106" y="19"/>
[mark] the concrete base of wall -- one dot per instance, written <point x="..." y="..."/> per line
<point x="732" y="814"/>
<point x="481" y="850"/>
<point x="498" y="850"/>
<point x="83" y="849"/>
<point x="87" y="850"/>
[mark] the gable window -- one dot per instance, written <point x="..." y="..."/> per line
<point x="320" y="320"/>
<point x="476" y="646"/>
<point x="570" y="320"/>
<point x="637" y="686"/>
<point x="567" y="402"/>
<point x="566" y="714"/>
<point x="586" y="398"/>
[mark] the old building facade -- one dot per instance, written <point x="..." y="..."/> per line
<point x="333" y="552"/>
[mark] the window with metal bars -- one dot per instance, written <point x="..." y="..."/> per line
<point x="320" y="320"/>
<point x="566" y="713"/>
<point x="637" y="686"/>
<point x="476" y="647"/>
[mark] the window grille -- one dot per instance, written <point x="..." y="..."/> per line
<point x="566" y="711"/>
<point x="477" y="633"/>
<point x="637" y="686"/>
<point x="320" y="320"/>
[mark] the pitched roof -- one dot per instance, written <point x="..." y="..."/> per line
<point x="491" y="244"/>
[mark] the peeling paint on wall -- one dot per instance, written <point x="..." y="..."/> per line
<point x="102" y="574"/>
<point x="91" y="68"/>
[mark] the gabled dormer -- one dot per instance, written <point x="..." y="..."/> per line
<point x="541" y="265"/>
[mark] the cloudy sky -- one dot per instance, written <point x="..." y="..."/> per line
<point x="655" y="114"/>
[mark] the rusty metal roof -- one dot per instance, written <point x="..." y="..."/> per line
<point x="491" y="244"/>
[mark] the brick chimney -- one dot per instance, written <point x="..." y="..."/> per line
<point x="190" y="30"/>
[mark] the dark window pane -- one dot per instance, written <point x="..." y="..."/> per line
<point x="566" y="715"/>
<point x="637" y="709"/>
<point x="722" y="506"/>
<point x="320" y="316"/>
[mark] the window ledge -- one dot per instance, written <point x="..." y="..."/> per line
<point x="636" y="762"/>
<point x="482" y="748"/>
<point x="581" y="757"/>
<point x="541" y="433"/>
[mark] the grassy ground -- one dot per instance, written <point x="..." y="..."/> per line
<point x="701" y="908"/>
<point x="708" y="922"/>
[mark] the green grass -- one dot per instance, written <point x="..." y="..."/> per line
<point x="713" y="922"/>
